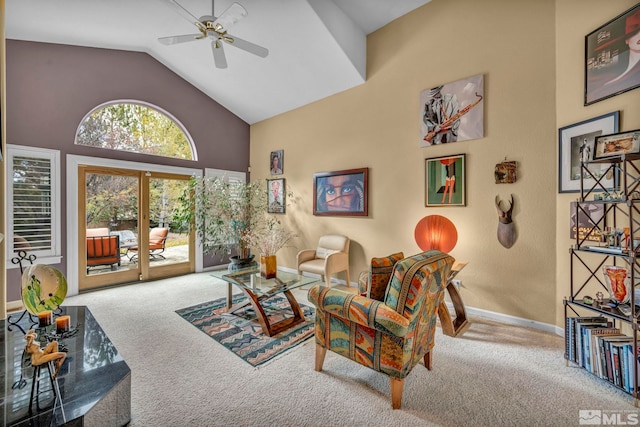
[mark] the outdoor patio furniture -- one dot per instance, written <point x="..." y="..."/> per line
<point x="157" y="240"/>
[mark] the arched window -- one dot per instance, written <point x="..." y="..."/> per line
<point x="137" y="127"/>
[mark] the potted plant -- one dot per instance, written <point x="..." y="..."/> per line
<point x="222" y="215"/>
<point x="230" y="217"/>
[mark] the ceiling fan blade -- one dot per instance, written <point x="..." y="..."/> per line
<point x="248" y="46"/>
<point x="218" y="54"/>
<point x="185" y="13"/>
<point x="179" y="39"/>
<point x="233" y="14"/>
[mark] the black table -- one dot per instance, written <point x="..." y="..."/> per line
<point x="95" y="381"/>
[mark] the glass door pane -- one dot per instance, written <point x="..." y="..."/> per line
<point x="110" y="236"/>
<point x="170" y="250"/>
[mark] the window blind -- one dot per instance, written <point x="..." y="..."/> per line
<point x="32" y="204"/>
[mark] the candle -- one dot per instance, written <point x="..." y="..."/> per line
<point x="63" y="323"/>
<point x="45" y="318"/>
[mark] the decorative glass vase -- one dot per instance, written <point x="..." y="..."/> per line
<point x="268" y="266"/>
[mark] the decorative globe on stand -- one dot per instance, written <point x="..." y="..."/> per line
<point x="43" y="288"/>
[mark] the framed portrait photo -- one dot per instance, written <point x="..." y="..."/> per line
<point x="341" y="192"/>
<point x="611" y="67"/>
<point x="276" y="162"/>
<point x="445" y="181"/>
<point x="616" y="144"/>
<point x="577" y="142"/>
<point x="276" y="196"/>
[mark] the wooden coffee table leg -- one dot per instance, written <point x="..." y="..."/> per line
<point x="268" y="328"/>
<point x="257" y="307"/>
<point x="455" y="327"/>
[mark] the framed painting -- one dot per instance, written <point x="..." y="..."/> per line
<point x="616" y="144"/>
<point x="577" y="142"/>
<point x="587" y="222"/>
<point x="452" y="112"/>
<point x="341" y="192"/>
<point x="276" y="165"/>
<point x="611" y="57"/>
<point x="276" y="196"/>
<point x="445" y="181"/>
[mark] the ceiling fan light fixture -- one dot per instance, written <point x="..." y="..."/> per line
<point x="216" y="29"/>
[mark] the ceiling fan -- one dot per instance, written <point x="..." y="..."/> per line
<point x="215" y="29"/>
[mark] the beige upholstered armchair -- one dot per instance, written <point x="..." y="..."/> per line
<point x="391" y="334"/>
<point x="330" y="257"/>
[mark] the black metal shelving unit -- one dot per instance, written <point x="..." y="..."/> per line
<point x="621" y="210"/>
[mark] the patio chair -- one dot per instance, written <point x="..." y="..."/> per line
<point x="157" y="241"/>
<point x="102" y="248"/>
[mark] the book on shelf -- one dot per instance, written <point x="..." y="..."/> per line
<point x="619" y="367"/>
<point x="588" y="351"/>
<point x="597" y="367"/>
<point x="629" y="361"/>
<point x="581" y="325"/>
<point x="614" y="368"/>
<point x="572" y="349"/>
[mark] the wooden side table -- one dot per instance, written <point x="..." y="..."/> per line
<point x="457" y="326"/>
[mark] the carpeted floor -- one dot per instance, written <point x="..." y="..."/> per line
<point x="241" y="332"/>
<point x="494" y="375"/>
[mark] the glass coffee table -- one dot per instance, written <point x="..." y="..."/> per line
<point x="257" y="290"/>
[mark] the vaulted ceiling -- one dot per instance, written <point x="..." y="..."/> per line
<point x="316" y="47"/>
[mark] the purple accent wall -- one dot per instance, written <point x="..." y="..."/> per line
<point x="51" y="87"/>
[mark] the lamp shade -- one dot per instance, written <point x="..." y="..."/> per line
<point x="436" y="232"/>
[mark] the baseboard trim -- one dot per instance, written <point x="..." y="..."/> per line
<point x="511" y="320"/>
<point x="14" y="306"/>
<point x="472" y="311"/>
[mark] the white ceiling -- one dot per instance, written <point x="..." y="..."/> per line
<point x="316" y="47"/>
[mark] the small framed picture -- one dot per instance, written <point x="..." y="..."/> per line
<point x="576" y="144"/>
<point x="587" y="221"/>
<point x="505" y="172"/>
<point x="445" y="181"/>
<point x="276" y="166"/>
<point x="616" y="144"/>
<point x="341" y="192"/>
<point x="276" y="196"/>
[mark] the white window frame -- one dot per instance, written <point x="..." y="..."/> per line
<point x="53" y="255"/>
<point x="225" y="175"/>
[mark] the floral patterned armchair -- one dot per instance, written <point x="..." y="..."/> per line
<point x="392" y="335"/>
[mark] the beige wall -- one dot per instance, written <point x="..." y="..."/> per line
<point x="575" y="19"/>
<point x="375" y="125"/>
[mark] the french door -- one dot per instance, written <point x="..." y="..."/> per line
<point x="125" y="232"/>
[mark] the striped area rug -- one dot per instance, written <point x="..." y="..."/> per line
<point x="241" y="332"/>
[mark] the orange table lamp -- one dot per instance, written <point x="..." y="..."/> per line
<point x="436" y="232"/>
